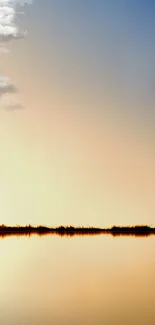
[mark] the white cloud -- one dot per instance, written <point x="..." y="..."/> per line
<point x="6" y="86"/>
<point x="9" y="31"/>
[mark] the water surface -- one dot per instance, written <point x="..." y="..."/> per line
<point x="80" y="280"/>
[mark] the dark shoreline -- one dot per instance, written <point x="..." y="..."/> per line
<point x="137" y="231"/>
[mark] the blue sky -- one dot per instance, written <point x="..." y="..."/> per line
<point x="111" y="42"/>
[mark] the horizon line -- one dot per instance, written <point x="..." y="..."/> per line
<point x="70" y="231"/>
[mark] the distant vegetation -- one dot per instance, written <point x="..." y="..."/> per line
<point x="138" y="230"/>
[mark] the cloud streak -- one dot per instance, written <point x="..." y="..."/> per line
<point x="9" y="31"/>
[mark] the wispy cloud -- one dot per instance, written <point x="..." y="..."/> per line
<point x="9" y="30"/>
<point x="6" y="86"/>
<point x="3" y="50"/>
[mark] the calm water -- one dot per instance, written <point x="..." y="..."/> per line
<point x="80" y="280"/>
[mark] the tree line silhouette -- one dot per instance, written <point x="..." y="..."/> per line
<point x="28" y="230"/>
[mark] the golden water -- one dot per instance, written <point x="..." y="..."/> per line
<point x="80" y="280"/>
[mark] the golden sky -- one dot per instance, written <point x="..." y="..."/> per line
<point x="82" y="150"/>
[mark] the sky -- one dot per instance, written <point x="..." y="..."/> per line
<point x="77" y="116"/>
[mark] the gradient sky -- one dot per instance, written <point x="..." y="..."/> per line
<point x="82" y="151"/>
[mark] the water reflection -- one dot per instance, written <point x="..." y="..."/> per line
<point x="87" y="280"/>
